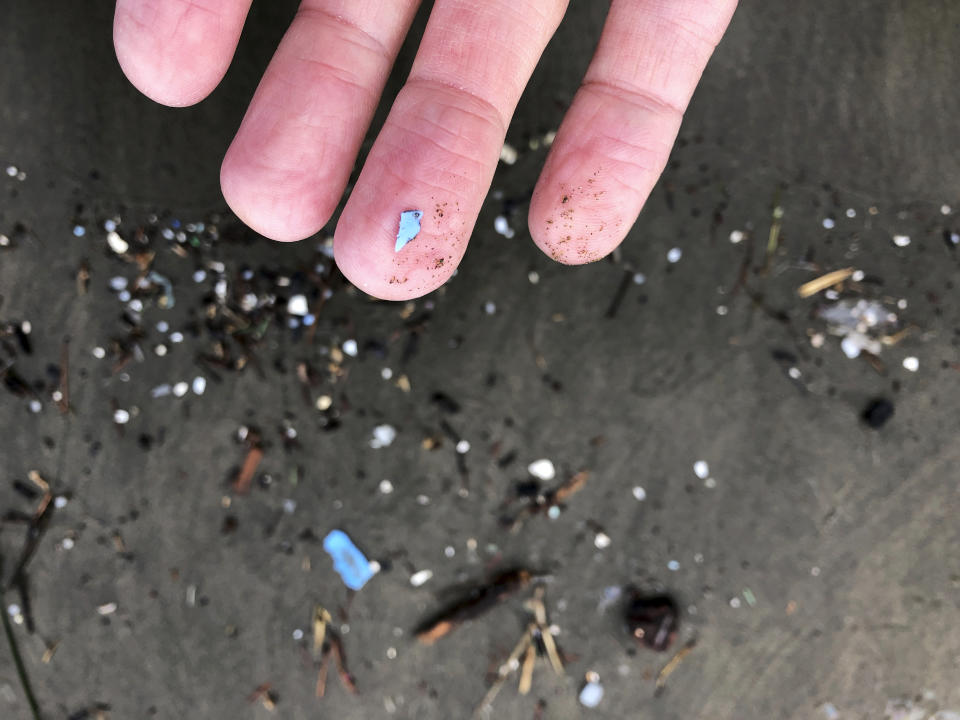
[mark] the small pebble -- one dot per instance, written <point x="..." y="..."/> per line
<point x="911" y="363"/>
<point x="420" y="577"/>
<point x="674" y="255"/>
<point x="121" y="417"/>
<point x="297" y="305"/>
<point x="701" y="469"/>
<point x="324" y="402"/>
<point x="542" y="469"/>
<point x="109" y="225"/>
<point x="850" y="347"/>
<point x="591" y="694"/>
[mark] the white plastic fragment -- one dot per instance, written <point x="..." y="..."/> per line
<point x="542" y="469"/>
<point x="828" y="223"/>
<point x="60" y="502"/>
<point x="463" y="447"/>
<point x="490" y="307"/>
<point x="533" y="276"/>
<point x="409" y="228"/>
<point x="180" y="389"/>
<point x="736" y="236"/>
<point x="198" y="385"/>
<point x="601" y="540"/>
<point x="107" y="608"/>
<point x="383" y="436"/>
<point x="701" y="469"/>
<point x="297" y="305"/>
<point x="674" y="255"/>
<point x="35" y="406"/>
<point x="639" y="278"/>
<point x="901" y="240"/>
<point x="508" y="154"/>
<point x="502" y="226"/>
<point x="639" y="493"/>
<point x="121" y="416"/>
<point x="350" y="347"/>
<point x="117" y="243"/>
<point x="386" y="487"/>
<point x="911" y="363"/>
<point x="420" y="577"/>
<point x="673" y="566"/>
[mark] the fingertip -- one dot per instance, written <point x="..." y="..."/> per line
<point x="178" y="70"/>
<point x="579" y="222"/>
<point x="365" y="255"/>
<point x="278" y="204"/>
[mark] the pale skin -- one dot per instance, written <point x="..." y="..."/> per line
<point x="288" y="166"/>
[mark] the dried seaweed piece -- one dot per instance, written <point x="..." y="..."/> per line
<point x="474" y="603"/>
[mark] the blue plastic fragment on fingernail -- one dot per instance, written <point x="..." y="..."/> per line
<point x="348" y="561"/>
<point x="409" y="227"/>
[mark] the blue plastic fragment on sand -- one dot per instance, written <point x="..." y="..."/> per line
<point x="409" y="227"/>
<point x="348" y="561"/>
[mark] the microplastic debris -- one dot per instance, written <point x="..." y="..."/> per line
<point x="386" y="373"/>
<point x="851" y="213"/>
<point x="180" y="389"/>
<point x="858" y="276"/>
<point x="117" y="243"/>
<point x="902" y="304"/>
<point x="107" y="608"/>
<point x="463" y="447"/>
<point x="508" y="154"/>
<point x="736" y="236"/>
<point x="639" y="493"/>
<point x="386" y="487"/>
<point x="220" y="289"/>
<point x="722" y="310"/>
<point x="489" y="308"/>
<point x="161" y="390"/>
<point x="423" y="499"/>
<point x="166" y="300"/>
<point x="13" y="609"/>
<point x="289" y="506"/>
<point x="60" y="502"/>
<point x="749" y="597"/>
<point x="67" y="543"/>
<point x="420" y="577"/>
<point x="160" y="350"/>
<point x="815" y="571"/>
<point x="533" y="276"/>
<point x="639" y="278"/>
<point x="449" y="551"/>
<point x="734" y="602"/>
<point x="601" y="540"/>
<point x="121" y="417"/>
<point x="674" y="255"/>
<point x="350" y="347"/>
<point x="502" y="226"/>
<point x="176" y="337"/>
<point x="591" y="694"/>
<point x="199" y="384"/>
<point x="945" y="210"/>
<point x="297" y="305"/>
<point x="901" y="240"/>
<point x="830" y="711"/>
<point x="794" y="373"/>
<point x="324" y="402"/>
<point x="383" y="436"/>
<point x="553" y="512"/>
<point x="99" y="353"/>
<point x="118" y="283"/>
<point x="542" y="469"/>
<point x="701" y="469"/>
<point x="710" y="483"/>
<point x="199" y="276"/>
<point x="828" y="223"/>
<point x="673" y="566"/>
<point x="135" y="305"/>
<point x="35" y="406"/>
<point x="298" y="634"/>
<point x="911" y="363"/>
<point x="348" y="561"/>
<point x="12" y="171"/>
<point x="409" y="228"/>
<point x="109" y="225"/>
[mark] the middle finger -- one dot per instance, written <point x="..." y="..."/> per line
<point x="438" y="149"/>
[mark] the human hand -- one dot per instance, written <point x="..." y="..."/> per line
<point x="290" y="161"/>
